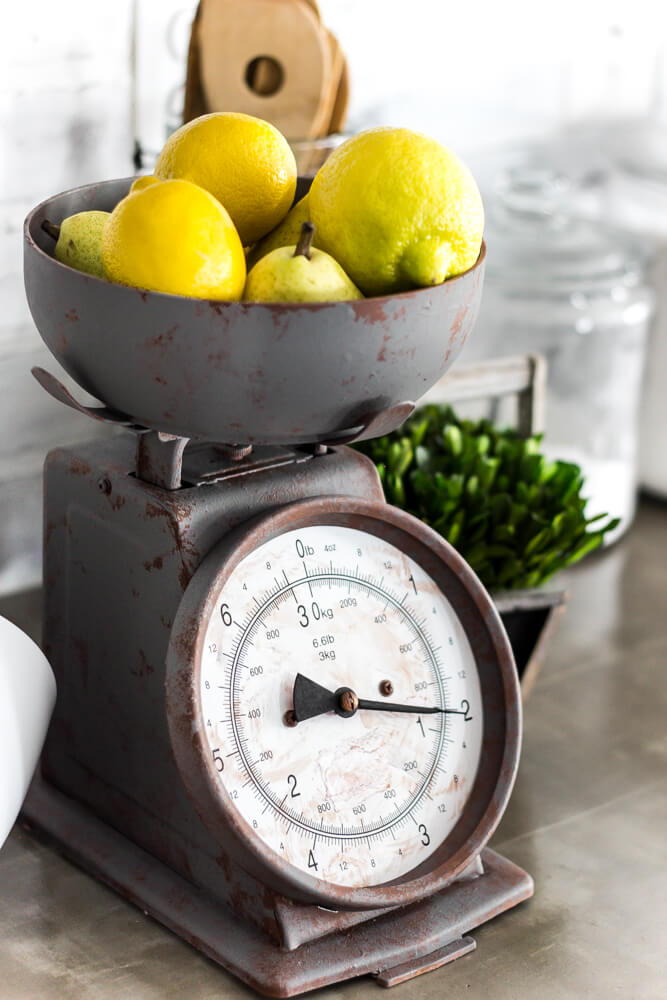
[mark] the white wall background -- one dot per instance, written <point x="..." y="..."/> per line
<point x="473" y="75"/>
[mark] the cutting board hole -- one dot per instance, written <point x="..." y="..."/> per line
<point x="264" y="76"/>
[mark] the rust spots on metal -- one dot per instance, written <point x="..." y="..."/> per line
<point x="153" y="511"/>
<point x="458" y="321"/>
<point x="218" y="358"/>
<point x="184" y="576"/>
<point x="72" y="316"/>
<point x="145" y="668"/>
<point x="150" y="564"/>
<point x="223" y="863"/>
<point x="382" y="353"/>
<point x="162" y="341"/>
<point x="79" y="467"/>
<point x="49" y="527"/>
<point x="369" y="311"/>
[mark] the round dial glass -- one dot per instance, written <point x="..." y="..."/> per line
<point x="360" y="798"/>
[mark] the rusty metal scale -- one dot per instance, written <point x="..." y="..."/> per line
<point x="288" y="717"/>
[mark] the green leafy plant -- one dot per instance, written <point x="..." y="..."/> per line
<point x="514" y="516"/>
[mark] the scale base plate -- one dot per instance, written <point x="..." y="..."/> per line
<point x="394" y="947"/>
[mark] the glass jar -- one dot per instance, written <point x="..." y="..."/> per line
<point x="573" y="291"/>
<point x="310" y="154"/>
<point x="637" y="199"/>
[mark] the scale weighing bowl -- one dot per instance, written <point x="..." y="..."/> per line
<point x="234" y="372"/>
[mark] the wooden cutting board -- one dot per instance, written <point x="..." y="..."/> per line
<point x="342" y="99"/>
<point x="337" y="62"/>
<point x="268" y="58"/>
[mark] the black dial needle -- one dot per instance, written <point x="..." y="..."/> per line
<point x="311" y="699"/>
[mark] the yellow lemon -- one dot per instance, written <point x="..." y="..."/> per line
<point x="177" y="238"/>
<point x="143" y="182"/>
<point x="397" y="210"/>
<point x="245" y="162"/>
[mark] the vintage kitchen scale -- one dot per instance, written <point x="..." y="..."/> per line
<point x="288" y="716"/>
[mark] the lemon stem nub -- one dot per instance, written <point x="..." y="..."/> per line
<point x="51" y="229"/>
<point x="305" y="240"/>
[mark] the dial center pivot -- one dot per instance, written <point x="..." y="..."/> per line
<point x="348" y="702"/>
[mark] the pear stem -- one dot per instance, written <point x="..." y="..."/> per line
<point x="305" y="240"/>
<point x="51" y="229"/>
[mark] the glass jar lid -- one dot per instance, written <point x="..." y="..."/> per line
<point x="535" y="242"/>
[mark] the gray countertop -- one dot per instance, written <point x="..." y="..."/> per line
<point x="587" y="819"/>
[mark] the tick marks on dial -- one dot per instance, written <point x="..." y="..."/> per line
<point x="305" y="571"/>
<point x="291" y="588"/>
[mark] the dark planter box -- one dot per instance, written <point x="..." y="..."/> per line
<point x="530" y="618"/>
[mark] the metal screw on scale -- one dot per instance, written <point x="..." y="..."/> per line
<point x="235" y="452"/>
<point x="290" y="718"/>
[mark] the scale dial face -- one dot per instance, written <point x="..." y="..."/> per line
<point x="356" y="800"/>
<point x="352" y="799"/>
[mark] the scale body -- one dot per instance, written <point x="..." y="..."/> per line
<point x="172" y="570"/>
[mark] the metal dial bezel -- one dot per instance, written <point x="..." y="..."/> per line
<point x="500" y="698"/>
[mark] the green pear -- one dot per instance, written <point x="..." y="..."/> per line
<point x="79" y="241"/>
<point x="299" y="274"/>
<point x="286" y="233"/>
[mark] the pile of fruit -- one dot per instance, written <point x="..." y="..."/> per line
<point x="390" y="210"/>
